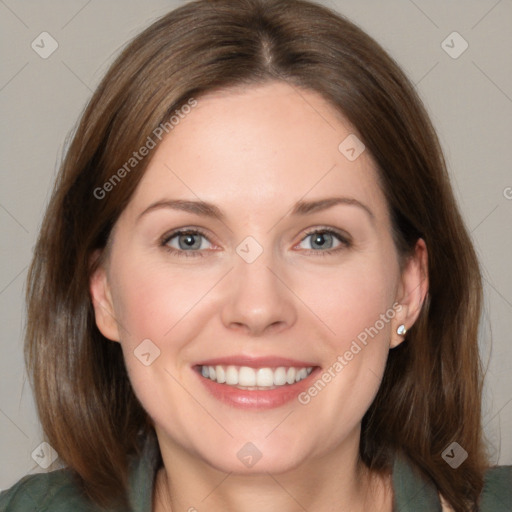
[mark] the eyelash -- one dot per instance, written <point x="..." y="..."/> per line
<point x="187" y="254"/>
<point x="344" y="241"/>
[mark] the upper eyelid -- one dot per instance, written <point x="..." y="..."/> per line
<point x="180" y="231"/>
<point x="334" y="231"/>
<point x="345" y="240"/>
<point x="342" y="237"/>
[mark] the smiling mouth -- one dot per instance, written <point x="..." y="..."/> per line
<point x="254" y="379"/>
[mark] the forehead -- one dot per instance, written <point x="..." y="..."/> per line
<point x="260" y="147"/>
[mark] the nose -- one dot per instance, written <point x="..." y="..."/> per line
<point x="257" y="300"/>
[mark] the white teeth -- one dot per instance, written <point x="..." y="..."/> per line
<point x="280" y="376"/>
<point x="246" y="376"/>
<point x="221" y="374"/>
<point x="264" y="377"/>
<point x="231" y="376"/>
<point x="301" y="374"/>
<point x="255" y="378"/>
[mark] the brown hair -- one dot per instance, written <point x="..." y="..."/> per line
<point x="431" y="390"/>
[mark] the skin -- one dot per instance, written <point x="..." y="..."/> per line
<point x="254" y="153"/>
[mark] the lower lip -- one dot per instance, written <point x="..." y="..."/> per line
<point x="256" y="399"/>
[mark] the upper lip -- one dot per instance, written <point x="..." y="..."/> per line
<point x="256" y="362"/>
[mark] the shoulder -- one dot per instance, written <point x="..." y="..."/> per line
<point x="55" y="491"/>
<point x="413" y="492"/>
<point x="497" y="492"/>
<point x="59" y="491"/>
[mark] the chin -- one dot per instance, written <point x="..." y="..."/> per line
<point x="255" y="457"/>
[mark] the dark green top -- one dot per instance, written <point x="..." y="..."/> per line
<point x="56" y="492"/>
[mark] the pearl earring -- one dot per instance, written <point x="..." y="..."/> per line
<point x="401" y="331"/>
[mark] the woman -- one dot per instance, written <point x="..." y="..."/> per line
<point x="253" y="289"/>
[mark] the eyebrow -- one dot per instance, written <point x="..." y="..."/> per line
<point x="198" y="207"/>
<point x="206" y="209"/>
<point x="307" y="207"/>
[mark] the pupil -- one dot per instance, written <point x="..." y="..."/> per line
<point x="322" y="240"/>
<point x="188" y="240"/>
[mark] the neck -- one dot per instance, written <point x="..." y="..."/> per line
<point x="334" y="481"/>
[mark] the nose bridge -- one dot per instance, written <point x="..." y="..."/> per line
<point x="257" y="300"/>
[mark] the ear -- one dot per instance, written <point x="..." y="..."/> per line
<point x="412" y="290"/>
<point x="101" y="296"/>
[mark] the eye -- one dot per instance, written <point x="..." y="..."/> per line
<point x="191" y="241"/>
<point x="324" y="240"/>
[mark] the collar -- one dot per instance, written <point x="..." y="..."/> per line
<point x="411" y="490"/>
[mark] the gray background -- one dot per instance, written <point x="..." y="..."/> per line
<point x="469" y="99"/>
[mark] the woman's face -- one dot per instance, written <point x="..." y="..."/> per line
<point x="286" y="271"/>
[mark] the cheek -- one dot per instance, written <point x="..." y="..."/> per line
<point x="151" y="300"/>
<point x="353" y="301"/>
<point x="357" y="304"/>
<point x="167" y="306"/>
<point x="156" y="303"/>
